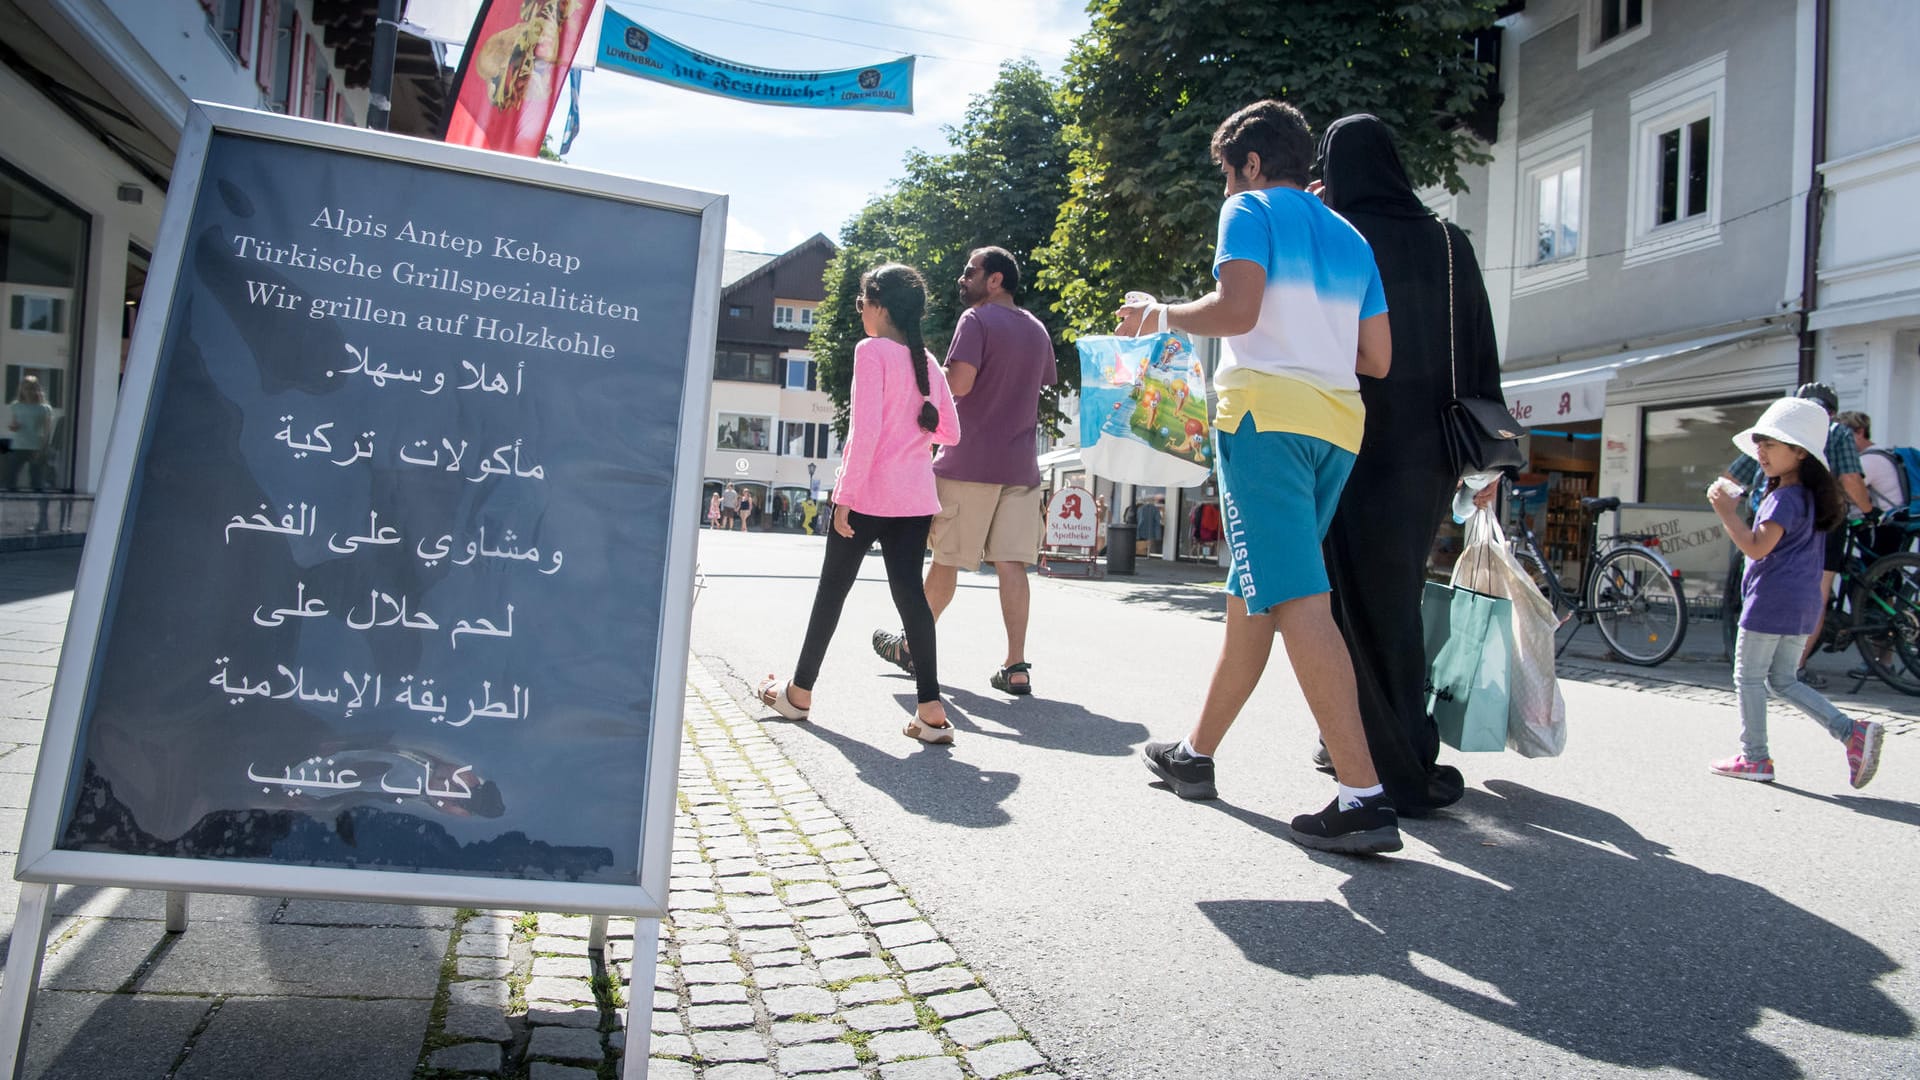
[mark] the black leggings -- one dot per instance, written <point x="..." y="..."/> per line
<point x="903" y="545"/>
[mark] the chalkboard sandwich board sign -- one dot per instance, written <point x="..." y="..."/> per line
<point x="388" y="592"/>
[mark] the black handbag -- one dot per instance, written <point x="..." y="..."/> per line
<point x="1482" y="436"/>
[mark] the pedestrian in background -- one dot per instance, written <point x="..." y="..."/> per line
<point x="713" y="511"/>
<point x="1300" y="314"/>
<point x="746" y="510"/>
<point x="30" y="424"/>
<point x="1883" y="486"/>
<point x="729" y="507"/>
<point x="899" y="407"/>
<point x="1402" y="481"/>
<point x="990" y="506"/>
<point x="1784" y="550"/>
<point x="1843" y="462"/>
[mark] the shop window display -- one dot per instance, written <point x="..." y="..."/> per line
<point x="1683" y="448"/>
<point x="43" y="243"/>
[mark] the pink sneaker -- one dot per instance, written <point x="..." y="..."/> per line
<point x="1863" y="752"/>
<point x="1740" y="768"/>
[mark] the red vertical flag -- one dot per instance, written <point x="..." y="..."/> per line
<point x="511" y="72"/>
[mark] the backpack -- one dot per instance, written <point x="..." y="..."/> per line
<point x="1906" y="468"/>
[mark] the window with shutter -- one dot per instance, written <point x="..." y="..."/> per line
<point x="269" y="45"/>
<point x="244" y="42"/>
<point x="309" y="74"/>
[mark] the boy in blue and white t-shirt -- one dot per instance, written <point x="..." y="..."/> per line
<point x="1301" y="313"/>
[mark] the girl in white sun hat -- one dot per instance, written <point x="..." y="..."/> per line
<point x="1784" y="551"/>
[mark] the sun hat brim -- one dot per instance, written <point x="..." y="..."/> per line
<point x="1769" y="426"/>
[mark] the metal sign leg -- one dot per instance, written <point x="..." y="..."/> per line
<point x="177" y="912"/>
<point x="24" y="955"/>
<point x="646" y="941"/>
<point x="597" y="935"/>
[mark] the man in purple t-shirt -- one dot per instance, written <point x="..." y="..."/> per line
<point x="989" y="482"/>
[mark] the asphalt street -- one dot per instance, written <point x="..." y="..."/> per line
<point x="1616" y="911"/>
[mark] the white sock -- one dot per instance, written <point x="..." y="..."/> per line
<point x="1350" y="796"/>
<point x="1187" y="749"/>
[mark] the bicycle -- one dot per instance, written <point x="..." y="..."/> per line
<point x="1629" y="590"/>
<point x="1875" y="610"/>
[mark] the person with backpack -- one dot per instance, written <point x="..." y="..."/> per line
<point x="1784" y="551"/>
<point x="1886" y="473"/>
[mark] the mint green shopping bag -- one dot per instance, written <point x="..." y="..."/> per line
<point x="1469" y="638"/>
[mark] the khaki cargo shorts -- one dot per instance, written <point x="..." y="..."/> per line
<point x="978" y="521"/>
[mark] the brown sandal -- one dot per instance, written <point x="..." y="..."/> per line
<point x="1003" y="679"/>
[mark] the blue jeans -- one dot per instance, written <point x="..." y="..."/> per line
<point x="1769" y="662"/>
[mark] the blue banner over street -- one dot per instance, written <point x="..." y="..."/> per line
<point x="628" y="47"/>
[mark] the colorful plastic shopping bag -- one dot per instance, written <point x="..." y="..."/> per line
<point x="1143" y="410"/>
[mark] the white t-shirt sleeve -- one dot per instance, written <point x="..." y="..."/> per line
<point x="1883" y="484"/>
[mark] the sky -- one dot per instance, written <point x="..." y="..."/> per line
<point x="790" y="173"/>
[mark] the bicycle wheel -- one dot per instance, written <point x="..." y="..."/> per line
<point x="1530" y="561"/>
<point x="1886" y="621"/>
<point x="1638" y="606"/>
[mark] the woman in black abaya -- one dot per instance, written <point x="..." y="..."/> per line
<point x="1401" y="485"/>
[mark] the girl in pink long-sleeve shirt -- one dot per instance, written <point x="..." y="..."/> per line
<point x="900" y="407"/>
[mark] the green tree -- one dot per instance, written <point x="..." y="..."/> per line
<point x="999" y="182"/>
<point x="1151" y="79"/>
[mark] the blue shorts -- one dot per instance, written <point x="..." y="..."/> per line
<point x="1278" y="492"/>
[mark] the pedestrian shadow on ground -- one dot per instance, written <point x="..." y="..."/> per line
<point x="1904" y="813"/>
<point x="1204" y="600"/>
<point x="1600" y="942"/>
<point x="931" y="782"/>
<point x="1045" y="723"/>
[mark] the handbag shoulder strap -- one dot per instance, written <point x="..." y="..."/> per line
<point x="1453" y="364"/>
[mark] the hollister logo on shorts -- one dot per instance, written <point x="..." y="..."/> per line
<point x="1237" y="544"/>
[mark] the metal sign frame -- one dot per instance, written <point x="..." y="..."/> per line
<point x="39" y="859"/>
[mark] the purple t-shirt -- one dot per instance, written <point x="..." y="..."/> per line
<point x="1782" y="591"/>
<point x="1012" y="356"/>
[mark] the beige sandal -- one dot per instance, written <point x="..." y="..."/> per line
<point x="773" y="694"/>
<point x="927" y="733"/>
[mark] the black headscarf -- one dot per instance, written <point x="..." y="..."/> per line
<point x="1367" y="185"/>
<point x="1365" y="174"/>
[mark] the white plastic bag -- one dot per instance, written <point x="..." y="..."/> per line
<point x="1536" y="712"/>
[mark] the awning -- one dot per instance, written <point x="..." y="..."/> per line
<point x="1576" y="390"/>
<point x="1067" y="457"/>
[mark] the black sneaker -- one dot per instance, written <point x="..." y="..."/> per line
<point x="1190" y="777"/>
<point x="1367" y="829"/>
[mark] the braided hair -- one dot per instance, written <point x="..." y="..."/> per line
<point x="902" y="293"/>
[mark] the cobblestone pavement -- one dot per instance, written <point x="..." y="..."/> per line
<point x="1897" y="723"/>
<point x="788" y="953"/>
